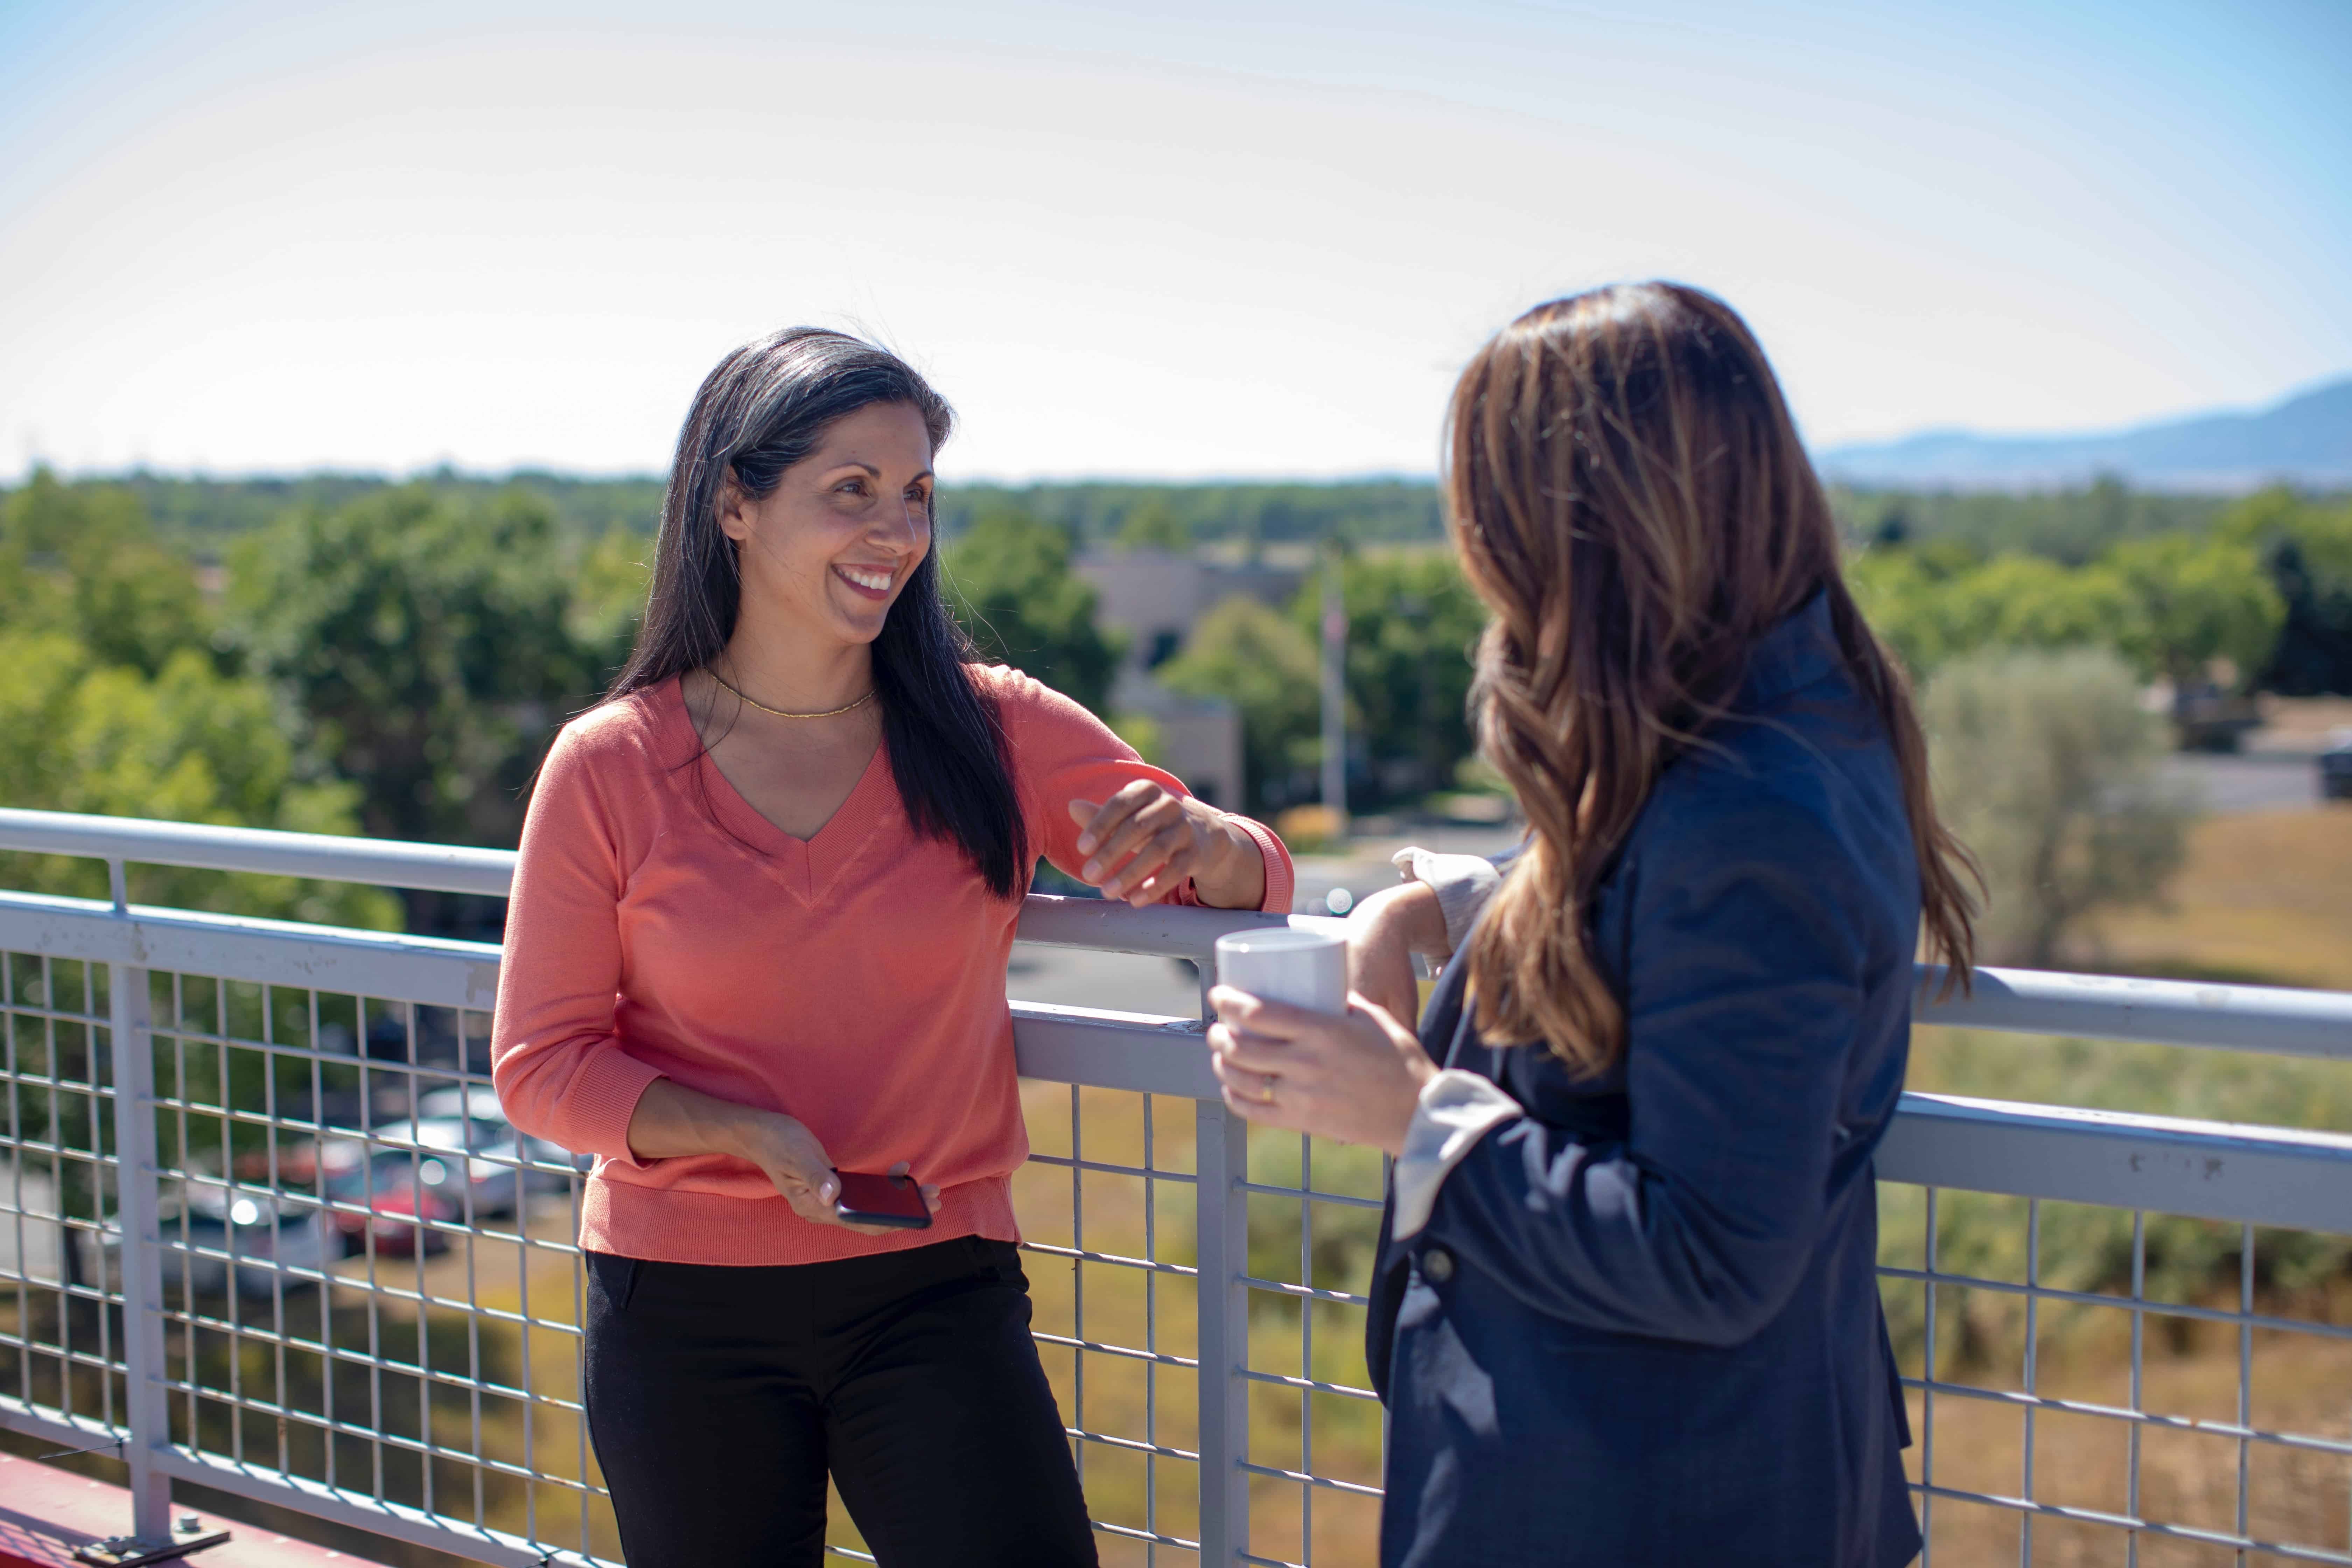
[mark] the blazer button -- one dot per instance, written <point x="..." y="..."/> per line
<point x="1437" y="1265"/>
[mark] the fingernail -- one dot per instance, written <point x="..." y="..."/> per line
<point x="1111" y="889"/>
<point x="825" y="1191"/>
<point x="1086" y="843"/>
<point x="1091" y="868"/>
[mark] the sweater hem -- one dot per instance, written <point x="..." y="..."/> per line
<point x="662" y="1225"/>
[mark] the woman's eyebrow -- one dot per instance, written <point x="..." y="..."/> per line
<point x="875" y="473"/>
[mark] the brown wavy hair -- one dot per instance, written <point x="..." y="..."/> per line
<point x="1630" y="498"/>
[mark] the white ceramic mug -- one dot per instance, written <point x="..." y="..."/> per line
<point x="1305" y="968"/>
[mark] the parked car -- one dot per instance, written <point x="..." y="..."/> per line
<point x="487" y="1154"/>
<point x="479" y="1102"/>
<point x="385" y="1194"/>
<point x="295" y="1167"/>
<point x="215" y="1232"/>
<point x="2206" y="717"/>
<point x="2336" y="768"/>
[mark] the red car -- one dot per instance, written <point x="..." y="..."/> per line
<point x="384" y="1195"/>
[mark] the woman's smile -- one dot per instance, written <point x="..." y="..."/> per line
<point x="868" y="582"/>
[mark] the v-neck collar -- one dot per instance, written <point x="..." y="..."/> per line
<point x="807" y="868"/>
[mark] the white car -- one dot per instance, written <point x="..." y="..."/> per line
<point x="491" y="1157"/>
<point x="479" y="1102"/>
<point x="213" y="1228"/>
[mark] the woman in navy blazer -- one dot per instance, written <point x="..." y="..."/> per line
<point x="1625" y="1310"/>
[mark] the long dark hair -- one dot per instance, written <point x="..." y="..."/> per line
<point x="1631" y="499"/>
<point x="763" y="409"/>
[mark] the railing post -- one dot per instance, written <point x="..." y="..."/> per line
<point x="1222" y="1141"/>
<point x="136" y="1163"/>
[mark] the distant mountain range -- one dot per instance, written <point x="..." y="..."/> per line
<point x="2305" y="440"/>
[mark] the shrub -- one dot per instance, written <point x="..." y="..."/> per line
<point x="2046" y="766"/>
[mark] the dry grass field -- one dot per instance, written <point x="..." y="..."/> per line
<point x="2266" y="897"/>
<point x="2187" y="1479"/>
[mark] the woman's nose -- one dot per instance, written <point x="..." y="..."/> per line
<point x="909" y="523"/>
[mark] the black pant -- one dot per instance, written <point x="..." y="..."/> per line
<point x="718" y="1398"/>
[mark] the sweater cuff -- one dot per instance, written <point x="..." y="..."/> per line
<point x="1456" y="1110"/>
<point x="1280" y="880"/>
<point x="602" y="1101"/>
<point x="1462" y="884"/>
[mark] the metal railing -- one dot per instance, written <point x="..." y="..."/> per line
<point x="182" y="1273"/>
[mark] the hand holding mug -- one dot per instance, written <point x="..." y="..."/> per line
<point x="1355" y="1076"/>
<point x="1293" y="1047"/>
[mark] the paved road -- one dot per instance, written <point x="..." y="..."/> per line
<point x="1119" y="982"/>
<point x="2248" y="781"/>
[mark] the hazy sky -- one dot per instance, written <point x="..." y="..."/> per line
<point x="1212" y="238"/>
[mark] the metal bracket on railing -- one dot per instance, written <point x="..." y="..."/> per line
<point x="189" y="1533"/>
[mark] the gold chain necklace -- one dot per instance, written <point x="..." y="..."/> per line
<point x="780" y="713"/>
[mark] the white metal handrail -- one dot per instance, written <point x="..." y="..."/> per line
<point x="2273" y="1020"/>
<point x="2247" y="1175"/>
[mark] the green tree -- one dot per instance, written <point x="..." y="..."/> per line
<point x="424" y="644"/>
<point x="1934" y="606"/>
<point x="186" y="745"/>
<point x="2199" y="600"/>
<point x="1155" y="525"/>
<point x="1258" y="659"/>
<point x="1896" y="596"/>
<point x="1010" y="583"/>
<point x="607" y="601"/>
<point x="116" y="704"/>
<point x="86" y="560"/>
<point x="2046" y="766"/>
<point x="2028" y="601"/>
<point x="2071" y="526"/>
<point x="1412" y="619"/>
<point x="2307" y="549"/>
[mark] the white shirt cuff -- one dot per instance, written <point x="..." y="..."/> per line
<point x="1462" y="884"/>
<point x="1456" y="1110"/>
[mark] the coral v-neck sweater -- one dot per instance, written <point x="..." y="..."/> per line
<point x="660" y="927"/>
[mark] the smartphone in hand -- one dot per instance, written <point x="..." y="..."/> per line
<point x="881" y="1200"/>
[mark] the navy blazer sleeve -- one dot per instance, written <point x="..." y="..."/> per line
<point x="1746" y="968"/>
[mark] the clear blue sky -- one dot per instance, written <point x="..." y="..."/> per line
<point x="1210" y="239"/>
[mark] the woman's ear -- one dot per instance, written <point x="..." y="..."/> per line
<point x="734" y="511"/>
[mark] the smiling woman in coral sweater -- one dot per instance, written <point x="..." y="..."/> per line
<point x="758" y="938"/>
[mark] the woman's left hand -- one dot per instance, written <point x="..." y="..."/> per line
<point x="1144" y="842"/>
<point x="1355" y="1076"/>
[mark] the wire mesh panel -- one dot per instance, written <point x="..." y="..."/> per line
<point x="2090" y="1384"/>
<point x="1316" y="1428"/>
<point x="1106" y="1204"/>
<point x="371" y="1288"/>
<point x="61" y="1363"/>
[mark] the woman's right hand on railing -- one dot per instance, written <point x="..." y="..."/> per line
<point x="672" y="1119"/>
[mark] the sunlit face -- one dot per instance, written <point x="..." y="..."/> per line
<point x="831" y="546"/>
